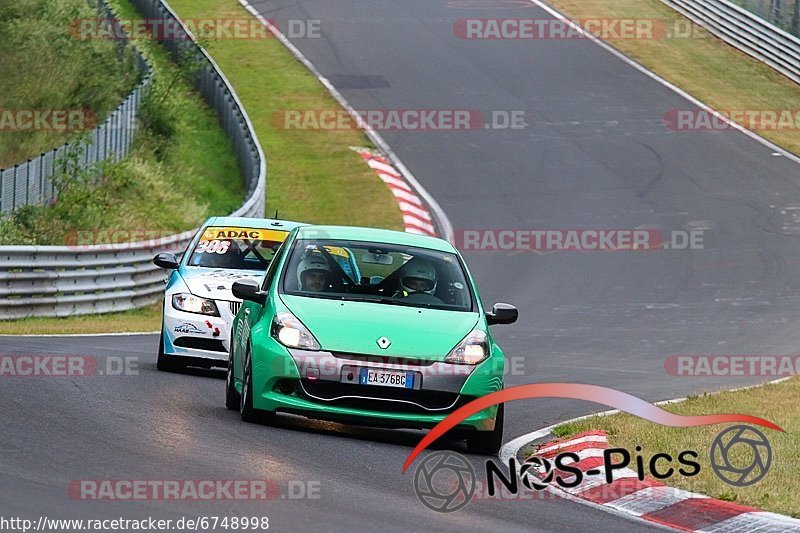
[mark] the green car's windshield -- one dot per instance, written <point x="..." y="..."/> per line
<point x="376" y="272"/>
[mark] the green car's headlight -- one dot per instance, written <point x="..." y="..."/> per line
<point x="470" y="351"/>
<point x="190" y="303"/>
<point x="290" y="332"/>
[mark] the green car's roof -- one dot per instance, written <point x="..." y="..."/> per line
<point x="352" y="233"/>
<point x="262" y="223"/>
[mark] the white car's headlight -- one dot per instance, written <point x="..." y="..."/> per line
<point x="190" y="303"/>
<point x="470" y="351"/>
<point x="292" y="333"/>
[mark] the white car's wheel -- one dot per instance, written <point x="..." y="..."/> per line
<point x="166" y="363"/>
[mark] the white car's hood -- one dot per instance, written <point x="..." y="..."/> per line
<point x="216" y="283"/>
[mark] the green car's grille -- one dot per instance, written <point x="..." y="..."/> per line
<point x="383" y="359"/>
<point x="387" y="399"/>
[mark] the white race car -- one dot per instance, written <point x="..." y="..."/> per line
<point x="198" y="304"/>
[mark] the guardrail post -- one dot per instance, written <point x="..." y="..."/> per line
<point x="14" y="189"/>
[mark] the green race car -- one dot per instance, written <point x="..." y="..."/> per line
<point x="367" y="326"/>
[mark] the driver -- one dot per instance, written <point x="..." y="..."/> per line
<point x="312" y="273"/>
<point x="417" y="277"/>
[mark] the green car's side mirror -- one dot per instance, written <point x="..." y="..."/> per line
<point x="249" y="289"/>
<point x="502" y="314"/>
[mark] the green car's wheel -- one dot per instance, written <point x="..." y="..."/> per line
<point x="165" y="363"/>
<point x="232" y="397"/>
<point x="488" y="442"/>
<point x="249" y="414"/>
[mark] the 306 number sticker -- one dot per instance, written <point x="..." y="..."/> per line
<point x="213" y="247"/>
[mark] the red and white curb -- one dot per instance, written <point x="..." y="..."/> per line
<point x="653" y="501"/>
<point x="416" y="217"/>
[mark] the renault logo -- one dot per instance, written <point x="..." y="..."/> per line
<point x="384" y="342"/>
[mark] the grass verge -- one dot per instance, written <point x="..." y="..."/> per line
<point x="144" y="319"/>
<point x="776" y="492"/>
<point x="704" y="66"/>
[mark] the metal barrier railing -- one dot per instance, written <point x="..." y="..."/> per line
<point x="746" y="31"/>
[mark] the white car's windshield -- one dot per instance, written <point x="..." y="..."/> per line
<point x="377" y="272"/>
<point x="236" y="248"/>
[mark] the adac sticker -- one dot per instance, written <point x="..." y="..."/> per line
<point x="253" y="234"/>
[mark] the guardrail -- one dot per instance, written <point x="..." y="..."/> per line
<point x="29" y="183"/>
<point x="75" y="280"/>
<point x="746" y="31"/>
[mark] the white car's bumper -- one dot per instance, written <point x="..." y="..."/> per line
<point x="196" y="336"/>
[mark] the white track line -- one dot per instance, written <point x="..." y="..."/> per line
<point x="118" y="334"/>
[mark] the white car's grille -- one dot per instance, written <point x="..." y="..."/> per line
<point x="235" y="307"/>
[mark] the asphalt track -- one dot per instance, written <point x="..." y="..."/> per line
<point x="595" y="154"/>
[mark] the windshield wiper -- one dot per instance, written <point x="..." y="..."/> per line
<point x="386" y="300"/>
<point x="377" y="299"/>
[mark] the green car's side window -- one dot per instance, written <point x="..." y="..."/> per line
<point x="272" y="269"/>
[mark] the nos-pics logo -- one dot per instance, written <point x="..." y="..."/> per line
<point x="445" y="481"/>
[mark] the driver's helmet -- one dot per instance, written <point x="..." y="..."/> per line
<point x="418" y="276"/>
<point x="311" y="262"/>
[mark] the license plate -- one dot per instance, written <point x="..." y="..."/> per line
<point x="386" y="378"/>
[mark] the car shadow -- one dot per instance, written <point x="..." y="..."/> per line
<point x="213" y="373"/>
<point x="398" y="437"/>
<point x="196" y="371"/>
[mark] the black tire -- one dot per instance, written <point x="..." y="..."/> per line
<point x="232" y="396"/>
<point x="166" y="363"/>
<point x="246" y="409"/>
<point x="488" y="442"/>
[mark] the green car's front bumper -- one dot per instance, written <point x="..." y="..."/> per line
<point x="316" y="384"/>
